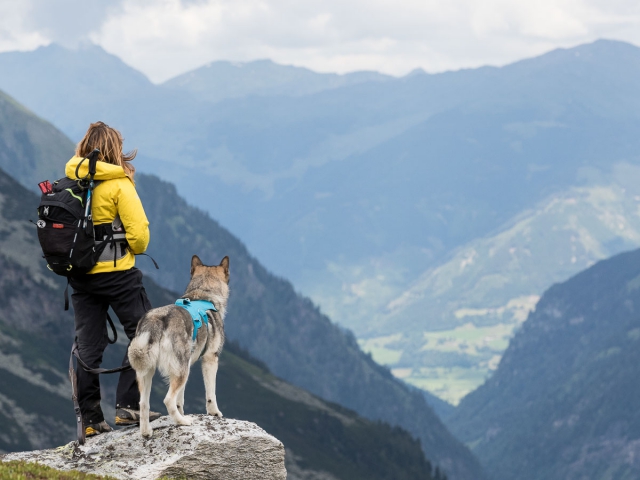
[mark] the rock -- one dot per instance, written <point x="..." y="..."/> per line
<point x="210" y="448"/>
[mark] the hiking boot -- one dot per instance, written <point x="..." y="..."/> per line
<point x="97" y="429"/>
<point x="128" y="416"/>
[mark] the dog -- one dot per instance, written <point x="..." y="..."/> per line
<point x="163" y="341"/>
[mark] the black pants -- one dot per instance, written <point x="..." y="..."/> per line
<point x="92" y="296"/>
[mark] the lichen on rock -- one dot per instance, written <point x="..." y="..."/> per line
<point x="210" y="448"/>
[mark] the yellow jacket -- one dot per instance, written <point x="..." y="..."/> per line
<point x="115" y="195"/>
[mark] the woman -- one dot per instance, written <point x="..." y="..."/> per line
<point x="114" y="281"/>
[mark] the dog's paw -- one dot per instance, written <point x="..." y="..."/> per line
<point x="215" y="413"/>
<point x="146" y="432"/>
<point x="186" y="421"/>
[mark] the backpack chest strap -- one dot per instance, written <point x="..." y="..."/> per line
<point x="198" y="311"/>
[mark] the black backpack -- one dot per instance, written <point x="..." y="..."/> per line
<point x="65" y="226"/>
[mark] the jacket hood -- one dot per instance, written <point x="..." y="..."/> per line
<point x="104" y="171"/>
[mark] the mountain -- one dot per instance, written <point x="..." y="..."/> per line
<point x="84" y="82"/>
<point x="221" y="80"/>
<point x="321" y="439"/>
<point x="31" y="308"/>
<point x="279" y="327"/>
<point x="363" y="195"/>
<point x="563" y="401"/>
<point x="513" y="136"/>
<point x="447" y="332"/>
<point x="27" y="142"/>
<point x="355" y="193"/>
<point x="90" y="85"/>
<point x="456" y="153"/>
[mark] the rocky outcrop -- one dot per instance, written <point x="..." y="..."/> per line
<point x="211" y="448"/>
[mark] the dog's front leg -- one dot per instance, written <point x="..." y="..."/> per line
<point x="209" y="372"/>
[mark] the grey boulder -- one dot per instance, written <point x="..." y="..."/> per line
<point x="210" y="448"/>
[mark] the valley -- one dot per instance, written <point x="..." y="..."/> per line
<point x="457" y="318"/>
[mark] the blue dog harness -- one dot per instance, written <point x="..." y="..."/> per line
<point x="198" y="311"/>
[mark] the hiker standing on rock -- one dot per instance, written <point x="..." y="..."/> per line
<point x="114" y="281"/>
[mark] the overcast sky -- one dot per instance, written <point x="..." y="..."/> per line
<point x="163" y="38"/>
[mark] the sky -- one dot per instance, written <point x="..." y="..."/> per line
<point x="164" y="38"/>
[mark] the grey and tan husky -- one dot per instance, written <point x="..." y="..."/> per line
<point x="164" y="341"/>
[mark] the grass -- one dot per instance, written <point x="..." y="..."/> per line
<point x="470" y="339"/>
<point x="450" y="384"/>
<point x="378" y="349"/>
<point x="19" y="470"/>
<point x="483" y="345"/>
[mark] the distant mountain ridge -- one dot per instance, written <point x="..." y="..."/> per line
<point x="221" y="80"/>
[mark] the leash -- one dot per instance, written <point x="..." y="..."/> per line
<point x="96" y="371"/>
<point x="74" y="396"/>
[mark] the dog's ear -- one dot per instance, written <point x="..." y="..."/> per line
<point x="225" y="264"/>
<point x="195" y="262"/>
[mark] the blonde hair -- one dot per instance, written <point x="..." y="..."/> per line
<point x="109" y="141"/>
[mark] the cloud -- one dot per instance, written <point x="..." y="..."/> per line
<point x="67" y="22"/>
<point x="15" y="34"/>
<point x="166" y="37"/>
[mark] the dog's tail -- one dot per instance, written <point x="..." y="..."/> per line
<point x="140" y="353"/>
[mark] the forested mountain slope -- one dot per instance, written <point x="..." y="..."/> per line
<point x="280" y="327"/>
<point x="28" y="143"/>
<point x="35" y="403"/>
<point x="563" y="404"/>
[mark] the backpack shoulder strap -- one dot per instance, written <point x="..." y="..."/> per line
<point x="93" y="160"/>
